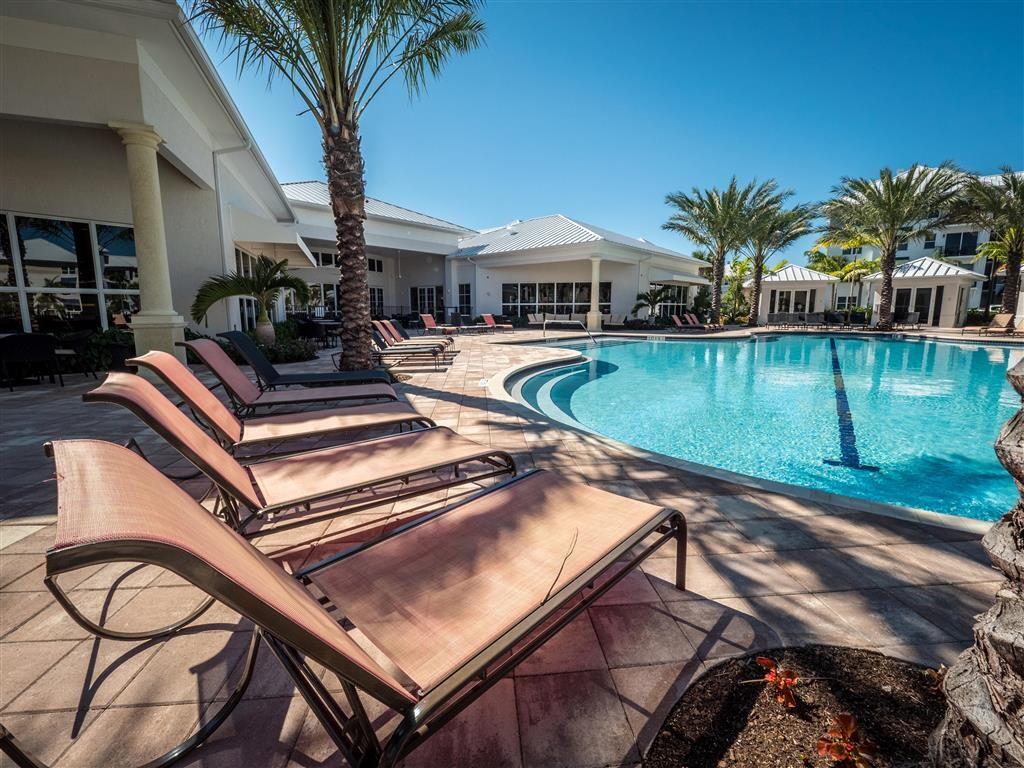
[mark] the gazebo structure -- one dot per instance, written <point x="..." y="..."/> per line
<point x="795" y="289"/>
<point x="936" y="290"/>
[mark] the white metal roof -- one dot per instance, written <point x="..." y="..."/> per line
<point x="927" y="267"/>
<point x="794" y="273"/>
<point x="550" y="232"/>
<point x="316" y="193"/>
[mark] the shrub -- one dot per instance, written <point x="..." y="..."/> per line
<point x="845" y="745"/>
<point x="104" y="348"/>
<point x="288" y="348"/>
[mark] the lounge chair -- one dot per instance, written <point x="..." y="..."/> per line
<point x="424" y="619"/>
<point x="615" y="321"/>
<point x="235" y="434"/>
<point x="29" y="354"/>
<point x="371" y="472"/>
<point x="687" y="326"/>
<point x="693" y="321"/>
<point x="490" y="321"/>
<point x="1001" y="323"/>
<point x="816" y="319"/>
<point x="859" y="319"/>
<point x="909" y="320"/>
<point x="387" y="355"/>
<point x="246" y="397"/>
<point x="532" y="319"/>
<point x="398" y="335"/>
<point x="394" y="340"/>
<point x="269" y="377"/>
<point x="1018" y="329"/>
<point x="430" y="325"/>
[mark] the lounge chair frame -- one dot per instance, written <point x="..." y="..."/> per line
<point x="352" y="733"/>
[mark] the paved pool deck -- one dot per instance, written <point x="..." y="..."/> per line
<point x="764" y="570"/>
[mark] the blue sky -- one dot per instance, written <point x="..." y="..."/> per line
<point x="598" y="109"/>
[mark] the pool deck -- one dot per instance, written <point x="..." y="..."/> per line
<point x="764" y="570"/>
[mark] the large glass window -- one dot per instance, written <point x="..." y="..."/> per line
<point x="521" y="299"/>
<point x="961" y="244"/>
<point x="60" y="275"/>
<point x="376" y="301"/>
<point x="676" y="301"/>
<point x="465" y="299"/>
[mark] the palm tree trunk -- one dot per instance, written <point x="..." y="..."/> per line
<point x="885" y="295"/>
<point x="717" y="273"/>
<point x="343" y="160"/>
<point x="755" y="294"/>
<point x="1011" y="288"/>
<point x="983" y="727"/>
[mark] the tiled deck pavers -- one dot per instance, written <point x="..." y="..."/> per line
<point x="764" y="570"/>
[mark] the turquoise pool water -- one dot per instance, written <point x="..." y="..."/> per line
<point x="908" y="422"/>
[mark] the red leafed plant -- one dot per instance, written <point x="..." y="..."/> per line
<point x="846" y="745"/>
<point x="782" y="681"/>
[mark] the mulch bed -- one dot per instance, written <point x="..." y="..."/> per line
<point x="722" y="722"/>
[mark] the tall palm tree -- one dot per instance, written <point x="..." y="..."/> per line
<point x="734" y="300"/>
<point x="770" y="228"/>
<point x="338" y="55"/>
<point x="856" y="271"/>
<point x="265" y="284"/>
<point x="822" y="261"/>
<point x="999" y="208"/>
<point x="889" y="210"/>
<point x="713" y="219"/>
<point x="651" y="298"/>
<point x="997" y="253"/>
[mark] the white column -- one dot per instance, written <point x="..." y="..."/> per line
<point x="157" y="325"/>
<point x="594" y="315"/>
<point x="453" y="300"/>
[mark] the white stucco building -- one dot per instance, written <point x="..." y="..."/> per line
<point x="937" y="291"/>
<point x="129" y="178"/>
<point x="795" y="289"/>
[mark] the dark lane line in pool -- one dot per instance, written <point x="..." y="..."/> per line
<point x="847" y="434"/>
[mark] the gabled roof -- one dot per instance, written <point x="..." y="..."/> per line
<point x="794" y="273"/>
<point x="927" y="267"/>
<point x="316" y="193"/>
<point x="550" y="232"/>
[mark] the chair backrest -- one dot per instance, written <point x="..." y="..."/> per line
<point x="397" y="327"/>
<point x="1002" y="320"/>
<point x="858" y="317"/>
<point x="428" y="321"/>
<point x="248" y="349"/>
<point x="489" y="319"/>
<point x="159" y="414"/>
<point x="691" y="318"/>
<point x="393" y="333"/>
<point x="112" y="506"/>
<point x="679" y="323"/>
<point x="384" y="332"/>
<point x="178" y="377"/>
<point x="912" y="318"/>
<point x="29" y="348"/>
<point x="237" y="384"/>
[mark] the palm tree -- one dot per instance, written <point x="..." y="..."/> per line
<point x="265" y="284"/>
<point x="856" y="271"/>
<point x="889" y="210"/>
<point x="770" y="228"/>
<point x="713" y="219"/>
<point x="999" y="208"/>
<point x="651" y="298"/>
<point x="820" y="260"/>
<point x="338" y="55"/>
<point x="734" y="300"/>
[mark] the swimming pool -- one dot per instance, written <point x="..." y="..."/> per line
<point x="909" y="422"/>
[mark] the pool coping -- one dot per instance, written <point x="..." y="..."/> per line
<point x="497" y="386"/>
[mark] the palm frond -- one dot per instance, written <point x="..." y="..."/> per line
<point x="265" y="284"/>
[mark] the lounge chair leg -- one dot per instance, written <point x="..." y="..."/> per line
<point x="10" y="747"/>
<point x="680" y="525"/>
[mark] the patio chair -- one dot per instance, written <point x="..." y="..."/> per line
<point x="372" y="472"/>
<point x="1001" y="323"/>
<point x="858" y="319"/>
<point x="430" y="325"/>
<point x="534" y="319"/>
<point x="394" y="341"/>
<point x="687" y="326"/>
<point x="31" y="354"/>
<point x="909" y="320"/>
<point x="270" y="378"/>
<point x="490" y="321"/>
<point x="246" y="397"/>
<point x="235" y="434"/>
<point x="615" y="321"/>
<point x="388" y="356"/>
<point x="693" y="321"/>
<point x="396" y="334"/>
<point x="423" y="620"/>
<point x="816" y="319"/>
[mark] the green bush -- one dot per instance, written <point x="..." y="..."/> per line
<point x="101" y="346"/>
<point x="288" y="348"/>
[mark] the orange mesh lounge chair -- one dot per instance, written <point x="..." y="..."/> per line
<point x="353" y="477"/>
<point x="235" y="434"/>
<point x="1001" y="323"/>
<point x="430" y="325"/>
<point x="399" y="333"/>
<point x="386" y="354"/>
<point x="492" y="323"/>
<point x="687" y="326"/>
<point x="424" y="620"/>
<point x="246" y="397"/>
<point x="395" y="341"/>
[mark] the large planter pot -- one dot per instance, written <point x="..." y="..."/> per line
<point x="265" y="333"/>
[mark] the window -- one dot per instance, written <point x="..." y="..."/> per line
<point x="324" y="259"/>
<point x="374" y="265"/>
<point x="247" y="308"/>
<point x="902" y="245"/>
<point x="852" y="251"/>
<point x="49" y="270"/>
<point x="929" y="241"/>
<point x="465" y="299"/>
<point x="521" y="299"/>
<point x="427" y="299"/>
<point x="961" y="244"/>
<point x="376" y="301"/>
<point x="843" y="301"/>
<point x="676" y="301"/>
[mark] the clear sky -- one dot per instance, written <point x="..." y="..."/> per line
<point x="598" y="109"/>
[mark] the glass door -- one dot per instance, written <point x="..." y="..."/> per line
<point x="902" y="304"/>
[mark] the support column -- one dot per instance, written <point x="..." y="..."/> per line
<point x="594" y="315"/>
<point x="157" y="325"/>
<point x="453" y="277"/>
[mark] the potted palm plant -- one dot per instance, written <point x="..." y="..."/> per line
<point x="265" y="284"/>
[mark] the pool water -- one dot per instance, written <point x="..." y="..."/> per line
<point x="902" y="421"/>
